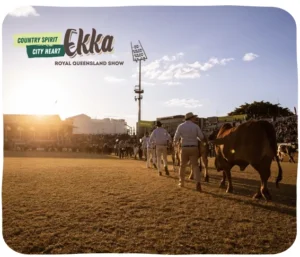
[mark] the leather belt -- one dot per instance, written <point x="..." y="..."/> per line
<point x="189" y="146"/>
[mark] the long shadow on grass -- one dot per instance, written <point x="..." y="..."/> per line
<point x="285" y="195"/>
<point x="257" y="203"/>
<point x="65" y="155"/>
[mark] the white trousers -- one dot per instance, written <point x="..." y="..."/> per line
<point x="150" y="154"/>
<point x="161" y="151"/>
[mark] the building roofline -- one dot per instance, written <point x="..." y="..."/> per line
<point x="171" y="117"/>
<point x="75" y="116"/>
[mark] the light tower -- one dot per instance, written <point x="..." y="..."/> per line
<point x="138" y="55"/>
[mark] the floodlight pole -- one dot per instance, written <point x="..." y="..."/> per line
<point x="140" y="87"/>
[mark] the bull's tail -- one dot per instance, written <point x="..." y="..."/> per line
<point x="279" y="177"/>
<point x="271" y="134"/>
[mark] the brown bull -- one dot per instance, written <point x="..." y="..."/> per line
<point x="254" y="143"/>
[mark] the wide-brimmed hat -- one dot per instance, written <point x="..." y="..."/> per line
<point x="189" y="116"/>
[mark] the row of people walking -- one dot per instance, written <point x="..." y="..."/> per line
<point x="189" y="134"/>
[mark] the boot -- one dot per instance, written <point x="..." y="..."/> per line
<point x="198" y="187"/>
<point x="166" y="170"/>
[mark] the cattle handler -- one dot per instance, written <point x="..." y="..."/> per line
<point x="160" y="138"/>
<point x="190" y="134"/>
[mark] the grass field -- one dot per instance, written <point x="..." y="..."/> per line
<point x="83" y="203"/>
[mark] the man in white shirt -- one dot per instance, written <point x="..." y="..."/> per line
<point x="160" y="137"/>
<point x="151" y="154"/>
<point x="189" y="133"/>
<point x="144" y="142"/>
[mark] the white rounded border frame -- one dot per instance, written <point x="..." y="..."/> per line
<point x="291" y="6"/>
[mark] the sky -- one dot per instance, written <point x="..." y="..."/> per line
<point x="205" y="60"/>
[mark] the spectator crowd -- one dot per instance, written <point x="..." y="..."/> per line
<point x="286" y="132"/>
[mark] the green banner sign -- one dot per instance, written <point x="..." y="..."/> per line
<point x="146" y="124"/>
<point x="22" y="40"/>
<point x="35" y="51"/>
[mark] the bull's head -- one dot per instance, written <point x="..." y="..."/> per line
<point x="219" y="159"/>
<point x="219" y="140"/>
<point x="213" y="135"/>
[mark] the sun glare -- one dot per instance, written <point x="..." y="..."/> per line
<point x="38" y="99"/>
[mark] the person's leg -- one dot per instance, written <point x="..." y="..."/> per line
<point x="194" y="154"/>
<point x="148" y="157"/>
<point x="154" y="158"/>
<point x="158" y="155"/>
<point x="165" y="160"/>
<point x="184" y="158"/>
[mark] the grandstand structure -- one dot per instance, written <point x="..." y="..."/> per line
<point x="170" y="123"/>
<point x="35" y="129"/>
<point x="45" y="130"/>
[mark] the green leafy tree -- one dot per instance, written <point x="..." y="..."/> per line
<point x="261" y="109"/>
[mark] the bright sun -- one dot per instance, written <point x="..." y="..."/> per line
<point x="38" y="99"/>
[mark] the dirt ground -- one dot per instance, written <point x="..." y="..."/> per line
<point x="83" y="203"/>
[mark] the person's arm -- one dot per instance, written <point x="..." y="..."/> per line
<point x="152" y="137"/>
<point x="169" y="138"/>
<point x="177" y="134"/>
<point x="200" y="134"/>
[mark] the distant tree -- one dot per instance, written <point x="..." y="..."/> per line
<point x="261" y="109"/>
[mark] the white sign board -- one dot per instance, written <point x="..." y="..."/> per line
<point x="138" y="52"/>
